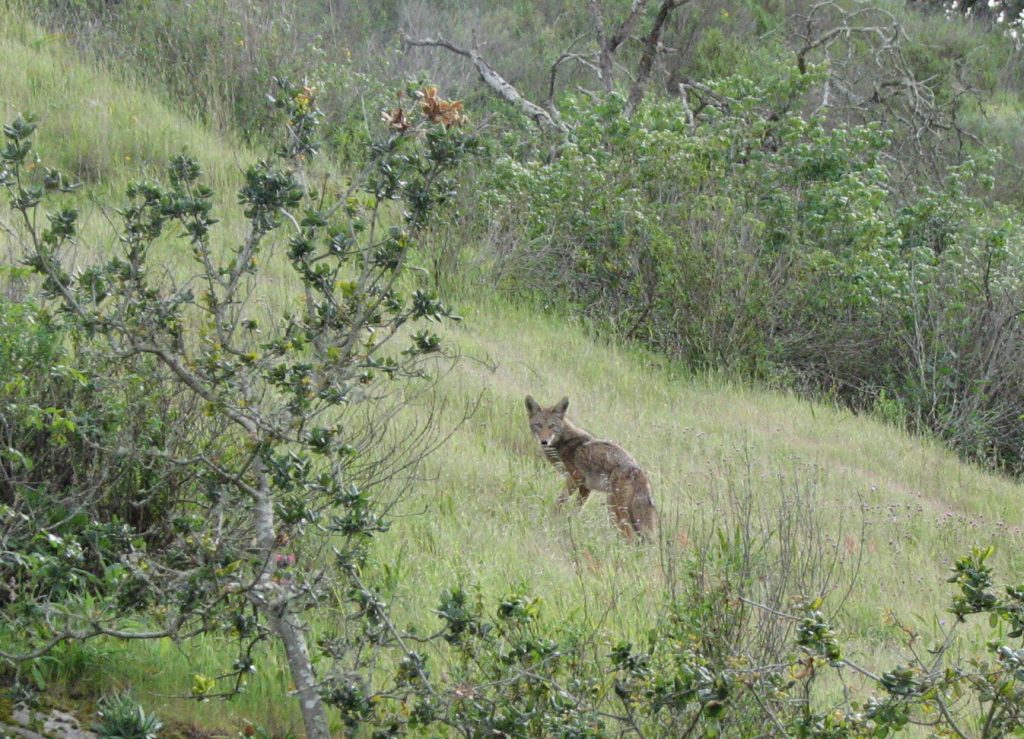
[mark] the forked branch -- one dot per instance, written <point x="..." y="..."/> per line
<point x="608" y="44"/>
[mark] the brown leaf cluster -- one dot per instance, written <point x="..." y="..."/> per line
<point x="437" y="110"/>
<point x="396" y="119"/>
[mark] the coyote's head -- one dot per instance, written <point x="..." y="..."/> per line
<point x="547" y="423"/>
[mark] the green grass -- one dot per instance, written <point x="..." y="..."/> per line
<point x="710" y="447"/>
<point x="104" y="132"/>
<point x="806" y="478"/>
<point x="98" y="128"/>
<point x="719" y="454"/>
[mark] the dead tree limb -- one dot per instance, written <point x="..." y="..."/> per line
<point x="505" y="89"/>
<point x="607" y="44"/>
<point x="566" y="56"/>
<point x="602" y="61"/>
<point x="652" y="44"/>
<point x="705" y="96"/>
<point x="881" y="82"/>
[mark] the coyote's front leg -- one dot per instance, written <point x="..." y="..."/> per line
<point x="572" y="485"/>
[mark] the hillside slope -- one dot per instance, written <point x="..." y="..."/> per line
<point x="829" y="502"/>
<point x="832" y="502"/>
<point x="719" y="454"/>
<point x="99" y="129"/>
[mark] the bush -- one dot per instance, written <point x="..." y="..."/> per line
<point x="75" y="428"/>
<point x="700" y="241"/>
<point x="121" y="717"/>
<point x="293" y="408"/>
<point x="777" y="248"/>
<point x="959" y="361"/>
<point x="713" y="662"/>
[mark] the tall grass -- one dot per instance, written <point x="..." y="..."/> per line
<point x="100" y="129"/>
<point x="104" y="131"/>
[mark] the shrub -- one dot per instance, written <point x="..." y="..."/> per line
<point x="276" y="464"/>
<point x="71" y="427"/>
<point x="119" y="716"/>
<point x="776" y="247"/>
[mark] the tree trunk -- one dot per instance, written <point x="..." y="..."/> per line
<point x="314" y="714"/>
<point x="607" y="45"/>
<point x="651" y="44"/>
<point x="273" y="603"/>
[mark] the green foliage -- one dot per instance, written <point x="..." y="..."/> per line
<point x="758" y="238"/>
<point x="74" y="501"/>
<point x="119" y="716"/>
<point x="814" y="634"/>
<point x="245" y="477"/>
<point x="773" y="245"/>
<point x="676" y="236"/>
<point x="513" y="671"/>
<point x="975" y="580"/>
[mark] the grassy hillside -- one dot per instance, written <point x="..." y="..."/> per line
<point x="100" y="129"/>
<point x="871" y="516"/>
<point x="828" y="502"/>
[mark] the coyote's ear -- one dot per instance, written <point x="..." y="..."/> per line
<point x="532" y="406"/>
<point x="562" y="406"/>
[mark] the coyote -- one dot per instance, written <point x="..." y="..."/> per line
<point x="593" y="464"/>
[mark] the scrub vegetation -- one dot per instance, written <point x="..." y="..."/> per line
<point x="277" y="278"/>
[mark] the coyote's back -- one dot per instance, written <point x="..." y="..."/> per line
<point x="595" y="464"/>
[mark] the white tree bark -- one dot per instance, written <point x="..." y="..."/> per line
<point x="273" y="602"/>
<point x="292" y="635"/>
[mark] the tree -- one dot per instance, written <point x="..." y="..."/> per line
<point x="279" y="418"/>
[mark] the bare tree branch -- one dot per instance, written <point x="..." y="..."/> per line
<point x="566" y="56"/>
<point x="652" y="44"/>
<point x="881" y="82"/>
<point x="609" y="45"/>
<point x="706" y="98"/>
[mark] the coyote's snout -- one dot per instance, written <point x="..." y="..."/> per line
<point x="594" y="464"/>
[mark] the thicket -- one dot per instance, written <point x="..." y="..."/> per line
<point x="776" y="248"/>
